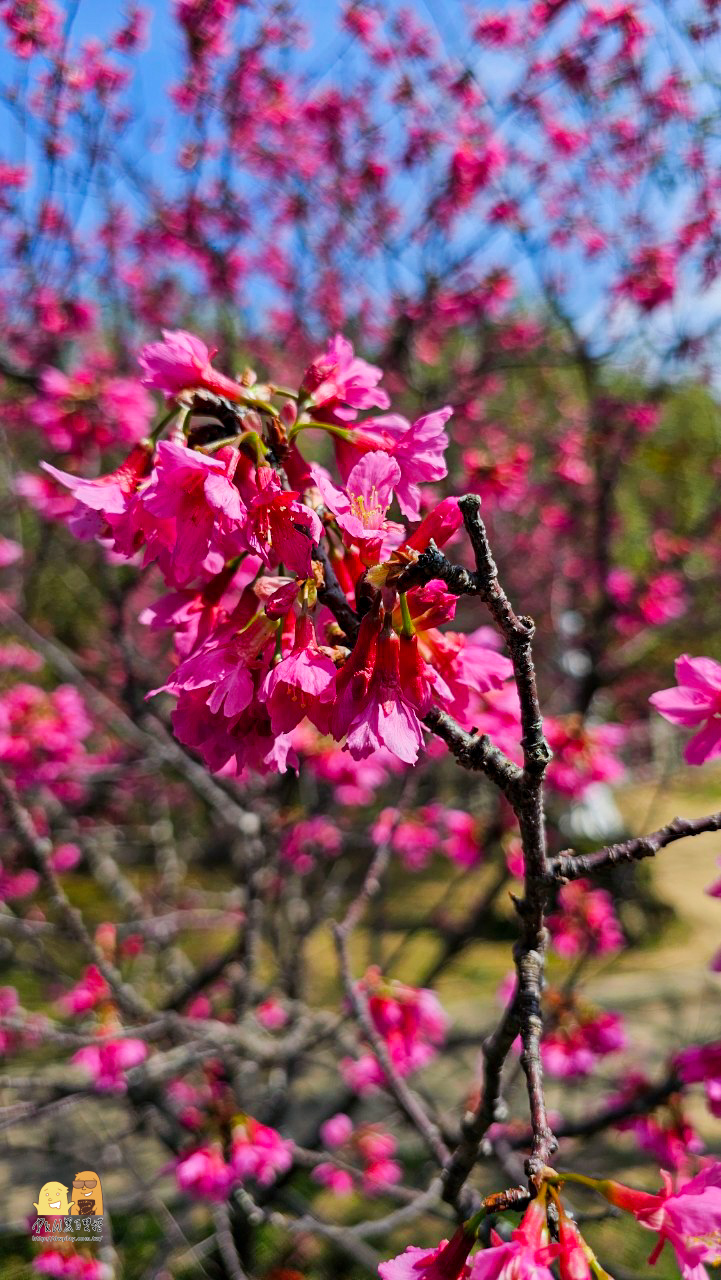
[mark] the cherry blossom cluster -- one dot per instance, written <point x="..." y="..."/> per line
<point x="369" y="1144"/>
<point x="411" y="1023"/>
<point x="253" y="542"/>
<point x="686" y="1215"/>
<point x="257" y="1153"/>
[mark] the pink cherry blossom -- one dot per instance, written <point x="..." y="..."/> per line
<point x="225" y="663"/>
<point x="301" y="684"/>
<point x="670" y="1139"/>
<point x="439" y="525"/>
<point x="42" y="738"/>
<point x="651" y="278"/>
<point x="361" y="510"/>
<point x="341" y="382"/>
<point x="259" y="1152"/>
<point x="107" y="1061"/>
<point x="33" y="28"/>
<point x="381" y="1173"/>
<point x="429" y="606"/>
<point x="199" y="507"/>
<point x="527" y="1253"/>
<point x="182" y="362"/>
<point x="468" y="666"/>
<point x="107" y="495"/>
<point x="17" y="657"/>
<point x="204" y="1173"/>
<point x="702" y="1064"/>
<point x="271" y="1015"/>
<point x="337" y="1130"/>
<point x="339" y="1181"/>
<point x="354" y="677"/>
<point x="581" y="1039"/>
<point x="363" y="1074"/>
<point x="10" y="552"/>
<point x="689" y="1218"/>
<point x="86" y="994"/>
<point x="586" y="921"/>
<point x="279" y="528"/>
<point x="387" y="718"/>
<point x="410" y="1019"/>
<point x="448" y="1261"/>
<point x="575" y="1258"/>
<point x="63" y="1266"/>
<point x="418" y="449"/>
<point x="308" y="839"/>
<point x="414" y="840"/>
<point x="695" y="701"/>
<point x="87" y="407"/>
<point x="65" y="857"/>
<point x="17" y="885"/>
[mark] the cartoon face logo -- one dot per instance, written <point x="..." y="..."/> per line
<point x="53" y="1200"/>
<point x="87" y="1194"/>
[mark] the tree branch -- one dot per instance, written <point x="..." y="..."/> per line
<point x="571" y="866"/>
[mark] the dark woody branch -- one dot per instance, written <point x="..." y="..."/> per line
<point x="524" y="789"/>
<point x="570" y="866"/>
<point x="517" y="630"/>
<point x="491" y="1109"/>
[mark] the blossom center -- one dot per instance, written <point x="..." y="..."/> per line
<point x="369" y="510"/>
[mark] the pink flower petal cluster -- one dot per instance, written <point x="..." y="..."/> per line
<point x="337" y="1130"/>
<point x="696" y="701"/>
<point x="586" y="921"/>
<point x="701" y="1064"/>
<point x="579" y="1040"/>
<point x="339" y="1181"/>
<point x="259" y="1152"/>
<point x="342" y="383"/>
<point x="204" y="1174"/>
<point x="527" y="1254"/>
<point x="260" y="664"/>
<point x="271" y="1015"/>
<point x="375" y="706"/>
<point x="308" y="839"/>
<point x="69" y="1266"/>
<point x="107" y="1061"/>
<point x="448" y="1261"/>
<point x="376" y="1149"/>
<point x="99" y="501"/>
<point x="582" y="754"/>
<point x="88" y="408"/>
<point x="42" y="738"/>
<point x="301" y="684"/>
<point x="417" y="449"/>
<point x="361" y="510"/>
<point x="411" y="1021"/>
<point x="673" y="1141"/>
<point x="688" y="1217"/>
<point x="182" y="362"/>
<point x="651" y="278"/>
<point x="434" y="828"/>
<point x="18" y="884"/>
<point x="90" y="991"/>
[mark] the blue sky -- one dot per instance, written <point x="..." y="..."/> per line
<point x="331" y="55"/>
